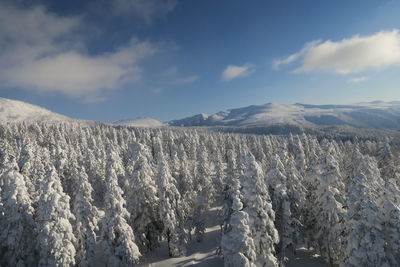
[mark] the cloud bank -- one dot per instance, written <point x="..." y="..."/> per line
<point x="44" y="52"/>
<point x="358" y="79"/>
<point x="353" y="55"/>
<point x="188" y="79"/>
<point x="232" y="72"/>
<point x="144" y="9"/>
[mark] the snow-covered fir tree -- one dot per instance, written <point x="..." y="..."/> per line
<point x="284" y="221"/>
<point x="170" y="211"/>
<point x="237" y="245"/>
<point x="87" y="218"/>
<point x="142" y="199"/>
<point x="17" y="223"/>
<point x="365" y="239"/>
<point x="95" y="194"/>
<point x="55" y="237"/>
<point x="257" y="204"/>
<point x="328" y="209"/>
<point x="390" y="209"/>
<point x="117" y="235"/>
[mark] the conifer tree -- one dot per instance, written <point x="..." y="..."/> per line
<point x="17" y="234"/>
<point x="170" y="211"/>
<point x="204" y="191"/>
<point x="259" y="208"/>
<point x="56" y="240"/>
<point x="142" y="199"/>
<point x="237" y="245"/>
<point x="230" y="186"/>
<point x="329" y="212"/>
<point x="390" y="207"/>
<point x="117" y="235"/>
<point x="365" y="239"/>
<point x="87" y="218"/>
<point x="285" y="224"/>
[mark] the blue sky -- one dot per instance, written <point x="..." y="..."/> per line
<point x="168" y="59"/>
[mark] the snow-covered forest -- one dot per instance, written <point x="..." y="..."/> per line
<point x="76" y="195"/>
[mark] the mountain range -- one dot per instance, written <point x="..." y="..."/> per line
<point x="373" y="115"/>
<point x="139" y="122"/>
<point x="377" y="115"/>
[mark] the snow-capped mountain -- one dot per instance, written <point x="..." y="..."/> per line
<point x="139" y="122"/>
<point x="377" y="114"/>
<point x="18" y="111"/>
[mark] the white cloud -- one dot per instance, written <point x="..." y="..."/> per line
<point x="77" y="74"/>
<point x="156" y="91"/>
<point x="144" y="9"/>
<point x="232" y="72"/>
<point x="170" y="72"/>
<point x="357" y="79"/>
<point x="352" y="55"/>
<point x="42" y="51"/>
<point x="171" y="75"/>
<point x="188" y="79"/>
<point x="296" y="56"/>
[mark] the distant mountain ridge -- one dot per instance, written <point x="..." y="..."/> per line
<point x="377" y="114"/>
<point x="368" y="115"/>
<point x="139" y="122"/>
<point x="18" y="111"/>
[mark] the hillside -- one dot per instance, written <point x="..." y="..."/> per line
<point x="377" y="115"/>
<point x="139" y="122"/>
<point x="267" y="118"/>
<point x="18" y="111"/>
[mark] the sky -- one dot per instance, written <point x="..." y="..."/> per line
<point x="167" y="59"/>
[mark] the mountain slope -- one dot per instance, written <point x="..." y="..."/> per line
<point x="379" y="115"/>
<point x="374" y="115"/>
<point x="18" y="111"/>
<point x="139" y="122"/>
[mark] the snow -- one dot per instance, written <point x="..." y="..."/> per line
<point x="178" y="174"/>
<point x="17" y="111"/>
<point x="198" y="253"/>
<point x="139" y="122"/>
<point x="205" y="253"/>
<point x="376" y="114"/>
<point x="305" y="258"/>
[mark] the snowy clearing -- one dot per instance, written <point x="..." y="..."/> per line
<point x="199" y="253"/>
<point x="205" y="253"/>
